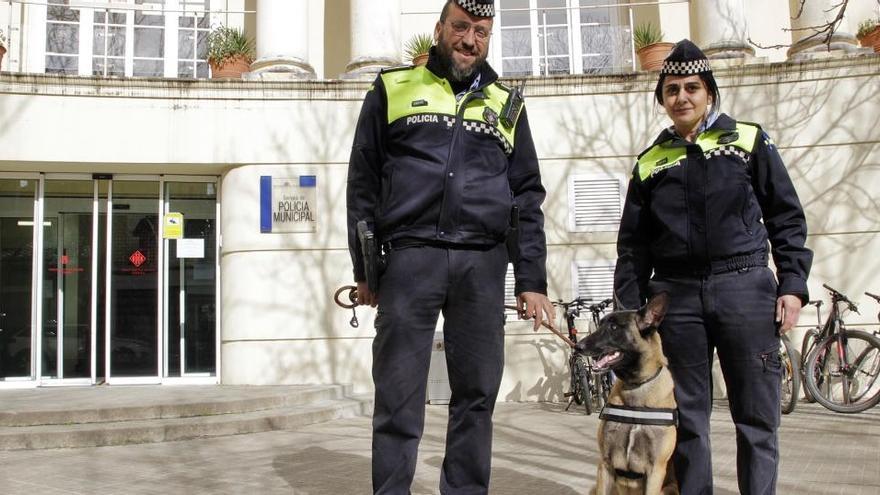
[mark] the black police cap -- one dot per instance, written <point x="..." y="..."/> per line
<point x="685" y="59"/>
<point x="479" y="8"/>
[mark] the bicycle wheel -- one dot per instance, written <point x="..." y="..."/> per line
<point x="837" y="379"/>
<point x="791" y="379"/>
<point x="577" y="389"/>
<point x="597" y="391"/>
<point x="810" y="340"/>
<point x="581" y="373"/>
<point x="867" y="365"/>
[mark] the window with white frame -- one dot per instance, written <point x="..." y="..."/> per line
<point x="595" y="202"/>
<point x="593" y="279"/>
<point x="108" y="47"/>
<point x="540" y="37"/>
<point x="192" y="44"/>
<point x="62" y="38"/>
<point x="150" y="38"/>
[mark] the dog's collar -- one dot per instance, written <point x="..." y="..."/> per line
<point x="640" y="415"/>
<point x="639" y="384"/>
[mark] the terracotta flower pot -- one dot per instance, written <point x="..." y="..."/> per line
<point x="2" y="52"/>
<point x="872" y="39"/>
<point x="231" y="68"/>
<point x="651" y="57"/>
<point x="420" y="59"/>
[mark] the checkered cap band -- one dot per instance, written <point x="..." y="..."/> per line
<point x="686" y="68"/>
<point x="479" y="8"/>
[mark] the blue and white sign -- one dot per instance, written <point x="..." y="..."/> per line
<point x="288" y="205"/>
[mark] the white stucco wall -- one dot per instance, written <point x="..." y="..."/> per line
<point x="279" y="324"/>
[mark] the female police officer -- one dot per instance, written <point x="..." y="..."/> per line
<point x="702" y="203"/>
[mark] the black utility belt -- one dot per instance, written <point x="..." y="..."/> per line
<point x="715" y="267"/>
<point x="398" y="244"/>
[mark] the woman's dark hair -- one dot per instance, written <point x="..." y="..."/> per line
<point x="708" y="80"/>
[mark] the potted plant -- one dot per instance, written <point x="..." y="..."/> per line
<point x="869" y="33"/>
<point x="418" y="47"/>
<point x="650" y="47"/>
<point x="2" y="47"/>
<point x="230" y="53"/>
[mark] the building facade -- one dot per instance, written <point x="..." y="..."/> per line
<point x="161" y="227"/>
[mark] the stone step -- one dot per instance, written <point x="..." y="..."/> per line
<point x="166" y="429"/>
<point x="36" y="407"/>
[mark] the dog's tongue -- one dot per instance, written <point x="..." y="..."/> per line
<point x="607" y="358"/>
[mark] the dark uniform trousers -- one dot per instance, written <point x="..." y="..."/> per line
<point x="734" y="313"/>
<point x="467" y="285"/>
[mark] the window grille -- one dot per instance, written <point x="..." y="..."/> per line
<point x="593" y="279"/>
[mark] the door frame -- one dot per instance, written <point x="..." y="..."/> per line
<point x="32" y="380"/>
<point x="93" y="323"/>
<point x="193" y="378"/>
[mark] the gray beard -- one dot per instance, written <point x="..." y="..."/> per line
<point x="454" y="72"/>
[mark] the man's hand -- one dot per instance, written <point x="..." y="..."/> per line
<point x="534" y="305"/>
<point x="365" y="296"/>
<point x="788" y="308"/>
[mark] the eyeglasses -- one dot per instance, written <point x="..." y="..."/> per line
<point x="461" y="28"/>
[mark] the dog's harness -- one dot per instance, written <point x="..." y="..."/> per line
<point x="655" y="416"/>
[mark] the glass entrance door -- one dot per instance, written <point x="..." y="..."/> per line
<point x="192" y="281"/>
<point x="70" y="289"/>
<point x="93" y="295"/>
<point x="134" y="280"/>
<point x="17" y="197"/>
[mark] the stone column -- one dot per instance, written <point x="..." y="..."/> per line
<point x="720" y="29"/>
<point x="375" y="37"/>
<point x="817" y="13"/>
<point x="282" y="41"/>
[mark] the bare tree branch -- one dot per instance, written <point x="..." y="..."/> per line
<point x="825" y="31"/>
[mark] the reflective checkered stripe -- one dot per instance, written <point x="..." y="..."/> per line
<point x="484" y="128"/>
<point x="449" y="121"/>
<point x="716" y="142"/>
<point x="685" y="68"/>
<point x="484" y="8"/>
<point x="728" y="151"/>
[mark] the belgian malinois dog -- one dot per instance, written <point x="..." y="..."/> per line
<point x="637" y="427"/>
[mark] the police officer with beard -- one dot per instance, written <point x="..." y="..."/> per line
<point x="444" y="172"/>
<point x="703" y="202"/>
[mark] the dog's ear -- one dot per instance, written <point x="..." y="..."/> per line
<point x="652" y="313"/>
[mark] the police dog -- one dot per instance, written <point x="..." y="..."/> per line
<point x="637" y="427"/>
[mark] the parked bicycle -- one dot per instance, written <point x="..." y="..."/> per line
<point x="589" y="387"/>
<point x="791" y="374"/>
<point x="869" y="360"/>
<point x="841" y="364"/>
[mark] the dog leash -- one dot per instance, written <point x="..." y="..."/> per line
<point x="548" y="327"/>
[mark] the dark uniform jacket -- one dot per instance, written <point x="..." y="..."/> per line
<point x="690" y="205"/>
<point x="427" y="168"/>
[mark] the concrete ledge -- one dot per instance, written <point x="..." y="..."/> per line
<point x="166" y="430"/>
<point x="180" y="403"/>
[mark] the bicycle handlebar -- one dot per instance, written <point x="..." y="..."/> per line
<point x="875" y="296"/>
<point x="836" y="296"/>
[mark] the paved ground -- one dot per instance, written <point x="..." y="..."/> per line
<point x="539" y="449"/>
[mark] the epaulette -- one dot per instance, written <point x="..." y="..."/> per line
<point x="396" y="68"/>
<point x="502" y="86"/>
